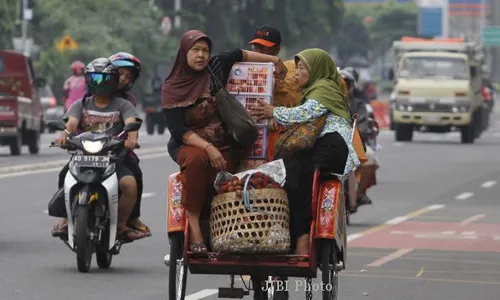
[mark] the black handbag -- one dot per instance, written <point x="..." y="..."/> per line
<point x="239" y="123"/>
<point x="57" y="207"/>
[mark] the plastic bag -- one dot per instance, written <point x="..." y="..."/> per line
<point x="274" y="169"/>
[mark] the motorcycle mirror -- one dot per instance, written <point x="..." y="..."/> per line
<point x="132" y="127"/>
<point x="56" y="125"/>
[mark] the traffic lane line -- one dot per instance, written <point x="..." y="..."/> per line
<point x="392" y="256"/>
<point x="348" y="274"/>
<point x="488" y="184"/>
<point x="202" y="294"/>
<point x="472" y="219"/>
<point x="464" y="196"/>
<point x="58" y="168"/>
<point x="395" y="221"/>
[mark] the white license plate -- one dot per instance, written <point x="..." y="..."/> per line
<point x="432" y="119"/>
<point x="91" y="161"/>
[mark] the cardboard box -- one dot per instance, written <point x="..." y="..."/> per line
<point x="251" y="79"/>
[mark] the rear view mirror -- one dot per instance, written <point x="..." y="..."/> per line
<point x="56" y="125"/>
<point x="132" y="126"/>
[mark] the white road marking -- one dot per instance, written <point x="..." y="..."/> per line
<point x="488" y="184"/>
<point x="471" y="219"/>
<point x="62" y="162"/>
<point x="58" y="168"/>
<point x="202" y="294"/>
<point x="464" y="196"/>
<point x="148" y="195"/>
<point x="354" y="236"/>
<point x="397" y="220"/>
<point x="394" y="255"/>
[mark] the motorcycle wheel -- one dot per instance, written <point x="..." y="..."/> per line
<point x="83" y="242"/>
<point x="103" y="255"/>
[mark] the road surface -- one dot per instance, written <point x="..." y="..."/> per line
<point x="432" y="233"/>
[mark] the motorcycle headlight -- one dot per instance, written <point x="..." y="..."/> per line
<point x="93" y="146"/>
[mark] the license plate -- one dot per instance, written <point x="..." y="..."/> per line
<point x="91" y="161"/>
<point x="432" y="119"/>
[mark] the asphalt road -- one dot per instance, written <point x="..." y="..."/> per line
<point x="433" y="232"/>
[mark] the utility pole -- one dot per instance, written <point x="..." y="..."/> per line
<point x="177" y="8"/>
<point x="24" y="25"/>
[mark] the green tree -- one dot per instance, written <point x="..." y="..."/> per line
<point x="231" y="23"/>
<point x="355" y="39"/>
<point x="101" y="28"/>
<point x="8" y="13"/>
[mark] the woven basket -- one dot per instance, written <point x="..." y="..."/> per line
<point x="264" y="229"/>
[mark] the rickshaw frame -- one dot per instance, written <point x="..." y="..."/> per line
<point x="327" y="231"/>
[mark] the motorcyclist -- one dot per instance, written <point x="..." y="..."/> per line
<point x="104" y="112"/>
<point x="368" y="128"/>
<point x="129" y="69"/>
<point x="74" y="87"/>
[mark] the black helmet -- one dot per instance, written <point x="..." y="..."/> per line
<point x="349" y="80"/>
<point x="101" y="77"/>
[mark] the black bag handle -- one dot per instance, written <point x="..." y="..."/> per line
<point x="217" y="81"/>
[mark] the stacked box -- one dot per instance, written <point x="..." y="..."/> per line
<point x="249" y="101"/>
<point x="251" y="79"/>
<point x="259" y="148"/>
<point x="249" y="82"/>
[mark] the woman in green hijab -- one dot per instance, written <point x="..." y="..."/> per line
<point x="324" y="96"/>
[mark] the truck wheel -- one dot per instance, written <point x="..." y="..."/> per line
<point x="33" y="142"/>
<point x="150" y="125"/>
<point x="403" y="132"/>
<point x="468" y="132"/>
<point x="16" y="145"/>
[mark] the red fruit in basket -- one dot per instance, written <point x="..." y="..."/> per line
<point x="230" y="189"/>
<point x="265" y="180"/>
<point x="259" y="217"/>
<point x="239" y="194"/>
<point x="245" y="219"/>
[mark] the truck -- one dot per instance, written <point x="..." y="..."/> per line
<point x="20" y="109"/>
<point x="437" y="87"/>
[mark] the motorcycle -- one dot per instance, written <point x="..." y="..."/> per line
<point x="91" y="194"/>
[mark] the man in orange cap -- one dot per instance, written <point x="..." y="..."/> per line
<point x="267" y="40"/>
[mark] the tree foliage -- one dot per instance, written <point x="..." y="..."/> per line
<point x="8" y="13"/>
<point x="101" y="28"/>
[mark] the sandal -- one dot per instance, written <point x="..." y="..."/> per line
<point x="60" y="229"/>
<point x="198" y="248"/>
<point x="363" y="200"/>
<point x="144" y="229"/>
<point x="352" y="210"/>
<point x="129" y="234"/>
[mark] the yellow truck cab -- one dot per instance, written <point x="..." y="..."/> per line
<point x="437" y="88"/>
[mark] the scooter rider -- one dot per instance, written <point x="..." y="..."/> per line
<point x="368" y="169"/>
<point x="104" y="112"/>
<point x="129" y="70"/>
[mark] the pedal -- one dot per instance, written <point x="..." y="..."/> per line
<point x="233" y="293"/>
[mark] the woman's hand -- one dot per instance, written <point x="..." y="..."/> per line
<point x="273" y="125"/>
<point x="262" y="110"/>
<point x="217" y="161"/>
